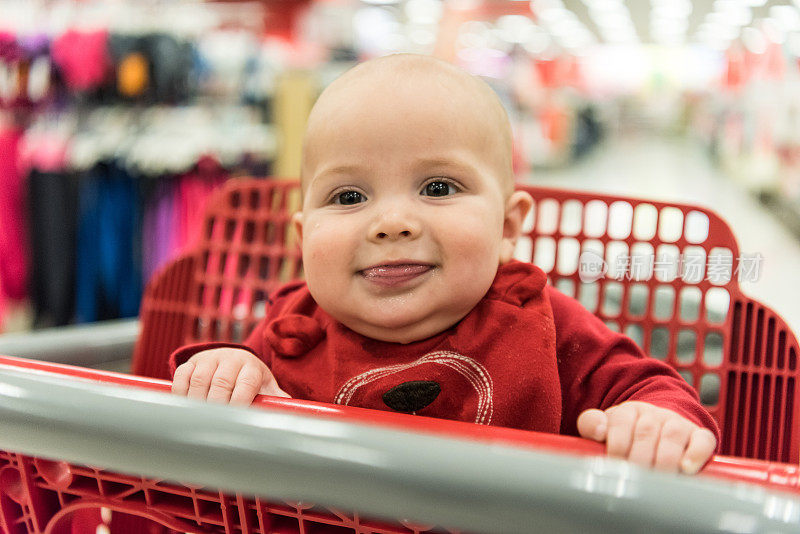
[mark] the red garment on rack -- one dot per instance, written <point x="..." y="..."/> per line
<point x="83" y="58"/>
<point x="13" y="243"/>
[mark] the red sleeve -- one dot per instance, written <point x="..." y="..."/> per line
<point x="599" y="368"/>
<point x="254" y="342"/>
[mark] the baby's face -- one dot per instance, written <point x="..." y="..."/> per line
<point x="404" y="214"/>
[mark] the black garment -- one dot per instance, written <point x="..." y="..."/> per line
<point x="171" y="64"/>
<point x="588" y="132"/>
<point x="52" y="207"/>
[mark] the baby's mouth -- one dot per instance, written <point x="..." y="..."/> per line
<point x="395" y="274"/>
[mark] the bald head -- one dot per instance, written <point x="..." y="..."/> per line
<point x="409" y="86"/>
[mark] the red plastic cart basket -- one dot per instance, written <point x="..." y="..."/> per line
<point x="743" y="358"/>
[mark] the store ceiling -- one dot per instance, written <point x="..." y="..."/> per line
<point x="673" y="21"/>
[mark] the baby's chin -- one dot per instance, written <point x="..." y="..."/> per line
<point x="401" y="329"/>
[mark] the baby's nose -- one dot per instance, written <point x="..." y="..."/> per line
<point x="402" y="233"/>
<point x="392" y="225"/>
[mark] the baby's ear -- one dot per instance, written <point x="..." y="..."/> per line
<point x="297" y="222"/>
<point x="517" y="208"/>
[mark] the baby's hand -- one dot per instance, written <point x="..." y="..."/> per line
<point x="225" y="375"/>
<point x="650" y="436"/>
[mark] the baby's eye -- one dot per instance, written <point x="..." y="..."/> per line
<point x="439" y="188"/>
<point x="348" y="198"/>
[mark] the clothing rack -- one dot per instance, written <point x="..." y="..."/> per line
<point x="115" y="126"/>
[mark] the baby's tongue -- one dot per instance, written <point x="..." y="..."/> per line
<point x="390" y="271"/>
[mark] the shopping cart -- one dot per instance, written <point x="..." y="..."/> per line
<point x="740" y="355"/>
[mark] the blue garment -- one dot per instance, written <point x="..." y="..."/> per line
<point x="108" y="278"/>
<point x="87" y="265"/>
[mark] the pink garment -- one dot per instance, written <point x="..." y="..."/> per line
<point x="44" y="151"/>
<point x="83" y="58"/>
<point x="194" y="190"/>
<point x="13" y="242"/>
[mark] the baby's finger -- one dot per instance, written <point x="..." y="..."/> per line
<point x="200" y="380"/>
<point x="621" y="421"/>
<point x="645" y="440"/>
<point x="247" y="385"/>
<point x="701" y="446"/>
<point x="593" y="424"/>
<point x="223" y="381"/>
<point x="270" y="387"/>
<point x="672" y="444"/>
<point x="180" y="380"/>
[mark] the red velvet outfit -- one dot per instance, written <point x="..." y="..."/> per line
<point x="526" y="356"/>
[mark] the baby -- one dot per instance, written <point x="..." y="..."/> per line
<point x="412" y="301"/>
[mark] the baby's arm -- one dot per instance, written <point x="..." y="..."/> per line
<point x="651" y="436"/>
<point x="611" y="392"/>
<point x="226" y="375"/>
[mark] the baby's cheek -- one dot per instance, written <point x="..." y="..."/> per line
<point x="477" y="219"/>
<point x="474" y="238"/>
<point x="324" y="247"/>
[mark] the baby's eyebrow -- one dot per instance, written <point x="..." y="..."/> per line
<point x="341" y="169"/>
<point x="444" y="163"/>
<point x="436" y="162"/>
<point x="336" y="170"/>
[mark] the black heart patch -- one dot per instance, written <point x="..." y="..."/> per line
<point x="411" y="396"/>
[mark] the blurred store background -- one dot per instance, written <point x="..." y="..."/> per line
<point x="118" y="119"/>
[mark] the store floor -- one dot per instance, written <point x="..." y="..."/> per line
<point x="681" y="171"/>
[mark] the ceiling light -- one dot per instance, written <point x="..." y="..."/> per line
<point x="621" y="11"/>
<point x="576" y="40"/>
<point x="739" y="16"/>
<point x="676" y="8"/>
<point x="729" y="5"/>
<point x="537" y="42"/>
<point x="474" y="34"/>
<point x="667" y="12"/>
<point x="566" y="26"/>
<point x="515" y="28"/>
<point x="730" y="18"/>
<point x="671" y="25"/>
<point x="547" y="4"/>
<point x="742" y="17"/>
<point x="754" y="40"/>
<point x="786" y="16"/>
<point x="423" y="11"/>
<point x="715" y="17"/>
<point x="793" y="44"/>
<point x="773" y="31"/>
<point x="719" y="31"/>
<point x="714" y="40"/>
<point x="604" y="5"/>
<point x="552" y="15"/>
